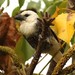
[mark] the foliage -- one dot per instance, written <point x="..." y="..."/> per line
<point x="1" y="2"/>
<point x="22" y="48"/>
<point x="35" y="5"/>
<point x="64" y="24"/>
<point x="8" y="2"/>
<point x="63" y="28"/>
<point x="51" y="9"/>
<point x="21" y="2"/>
<point x="15" y="11"/>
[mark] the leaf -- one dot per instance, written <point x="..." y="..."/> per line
<point x="48" y="3"/>
<point x="15" y="11"/>
<point x="8" y="2"/>
<point x="35" y="5"/>
<point x="63" y="4"/>
<point x="1" y="2"/>
<point x="8" y="33"/>
<point x="73" y="39"/>
<point x="12" y="34"/>
<point x="23" y="49"/>
<point x="64" y="24"/>
<point x="4" y="20"/>
<point x="52" y="8"/>
<point x="21" y="2"/>
<point x="55" y="13"/>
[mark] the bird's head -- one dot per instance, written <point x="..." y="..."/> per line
<point x="28" y="20"/>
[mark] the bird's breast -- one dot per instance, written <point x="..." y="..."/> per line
<point x="28" y="28"/>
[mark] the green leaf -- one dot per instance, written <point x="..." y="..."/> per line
<point x="51" y="9"/>
<point x="15" y="11"/>
<point x="66" y="47"/>
<point x="21" y="2"/>
<point x="8" y="2"/>
<point x="63" y="4"/>
<point x="73" y="39"/>
<point x="24" y="50"/>
<point x="1" y="2"/>
<point x="35" y="5"/>
<point x="48" y="3"/>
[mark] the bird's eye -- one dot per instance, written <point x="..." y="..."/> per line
<point x="26" y="15"/>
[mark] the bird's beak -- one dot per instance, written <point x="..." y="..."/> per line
<point x="17" y="25"/>
<point x="19" y="17"/>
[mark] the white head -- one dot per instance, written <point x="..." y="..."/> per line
<point x="28" y="21"/>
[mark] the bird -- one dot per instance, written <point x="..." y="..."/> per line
<point x="30" y="28"/>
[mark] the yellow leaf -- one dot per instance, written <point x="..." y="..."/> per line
<point x="64" y="26"/>
<point x="56" y="13"/>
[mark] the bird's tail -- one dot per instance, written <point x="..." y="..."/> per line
<point x="55" y="49"/>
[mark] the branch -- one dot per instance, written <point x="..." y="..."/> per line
<point x="68" y="70"/>
<point x="8" y="59"/>
<point x="35" y="59"/>
<point x="45" y="22"/>
<point x="63" y="60"/>
<point x="71" y="6"/>
<point x="51" y="67"/>
<point x="8" y="51"/>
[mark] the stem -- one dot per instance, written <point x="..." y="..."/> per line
<point x="51" y="67"/>
<point x="68" y="69"/>
<point x="71" y="5"/>
<point x="44" y="67"/>
<point x="38" y="50"/>
<point x="35" y="59"/>
<point x="42" y="58"/>
<point x="10" y="51"/>
<point x="63" y="60"/>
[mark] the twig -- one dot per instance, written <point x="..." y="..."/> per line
<point x="42" y="37"/>
<point x="44" y="67"/>
<point x="51" y="67"/>
<point x="63" y="60"/>
<point x="68" y="70"/>
<point x="9" y="51"/>
<point x="35" y="59"/>
<point x="52" y="62"/>
<point x="71" y="6"/>
<point x="42" y="58"/>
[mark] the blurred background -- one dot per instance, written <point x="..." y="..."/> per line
<point x="12" y="7"/>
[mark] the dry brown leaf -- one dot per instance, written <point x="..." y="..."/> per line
<point x="8" y="33"/>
